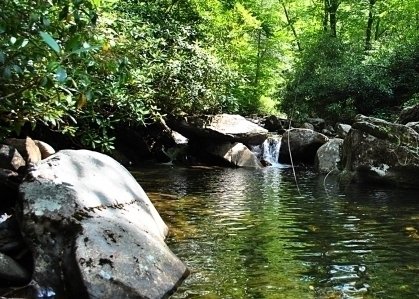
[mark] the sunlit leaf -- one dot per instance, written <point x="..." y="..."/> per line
<point x="50" y="41"/>
<point x="24" y="43"/>
<point x="85" y="48"/>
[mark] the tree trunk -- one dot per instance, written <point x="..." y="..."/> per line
<point x="291" y="25"/>
<point x="377" y="29"/>
<point x="330" y="16"/>
<point x="368" y="33"/>
<point x="258" y="59"/>
<point x="326" y="15"/>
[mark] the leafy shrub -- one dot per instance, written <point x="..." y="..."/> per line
<point x="333" y="83"/>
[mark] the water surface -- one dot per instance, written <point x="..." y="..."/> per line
<point x="251" y="234"/>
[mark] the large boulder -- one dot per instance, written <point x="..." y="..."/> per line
<point x="11" y="272"/>
<point x="276" y="124"/>
<point x="377" y="151"/>
<point x="414" y="125"/>
<point x="342" y="130"/>
<point x="235" y="154"/>
<point x="27" y="148"/>
<point x="220" y="127"/>
<point x="94" y="232"/>
<point x="303" y="144"/>
<point x="409" y="114"/>
<point x="45" y="149"/>
<point x="9" y="184"/>
<point x="329" y="156"/>
<point x="10" y="158"/>
<point x="318" y="123"/>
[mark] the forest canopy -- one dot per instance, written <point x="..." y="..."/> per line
<point x="84" y="66"/>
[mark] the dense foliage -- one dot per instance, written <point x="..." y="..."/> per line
<point x="83" y="66"/>
<point x="363" y="58"/>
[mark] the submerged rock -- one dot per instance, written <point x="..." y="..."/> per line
<point x="381" y="152"/>
<point x="93" y="231"/>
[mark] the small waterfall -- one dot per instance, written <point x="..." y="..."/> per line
<point x="268" y="152"/>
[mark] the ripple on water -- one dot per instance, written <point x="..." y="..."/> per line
<point x="250" y="234"/>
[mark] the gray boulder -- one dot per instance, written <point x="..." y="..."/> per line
<point x="276" y="124"/>
<point x="409" y="114"/>
<point x="303" y="144"/>
<point x="329" y="156"/>
<point x="377" y="151"/>
<point x="11" y="272"/>
<point x="318" y="123"/>
<point x="307" y="126"/>
<point x="220" y="127"/>
<point x="414" y="125"/>
<point x="94" y="232"/>
<point x="9" y="184"/>
<point x="342" y="130"/>
<point x="10" y="158"/>
<point x="235" y="154"/>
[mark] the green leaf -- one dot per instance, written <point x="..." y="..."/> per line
<point x="50" y="41"/>
<point x="24" y="43"/>
<point x="61" y="75"/>
<point x="17" y="69"/>
<point x="85" y="48"/>
<point x="7" y="72"/>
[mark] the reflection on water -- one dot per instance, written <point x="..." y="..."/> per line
<point x="250" y="234"/>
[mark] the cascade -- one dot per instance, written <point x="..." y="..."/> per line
<point x="269" y="150"/>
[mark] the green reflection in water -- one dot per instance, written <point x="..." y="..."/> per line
<point x="249" y="234"/>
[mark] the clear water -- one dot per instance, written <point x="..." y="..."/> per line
<point x="250" y="234"/>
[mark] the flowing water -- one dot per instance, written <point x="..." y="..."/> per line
<point x="268" y="151"/>
<point x="250" y="234"/>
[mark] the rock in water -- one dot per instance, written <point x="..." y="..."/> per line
<point x="303" y="144"/>
<point x="377" y="151"/>
<point x="94" y="232"/>
<point x="221" y="127"/>
<point x="235" y="154"/>
<point x="329" y="156"/>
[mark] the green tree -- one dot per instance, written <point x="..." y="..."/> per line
<point x="350" y="65"/>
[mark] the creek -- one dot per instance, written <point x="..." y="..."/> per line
<point x="250" y="234"/>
